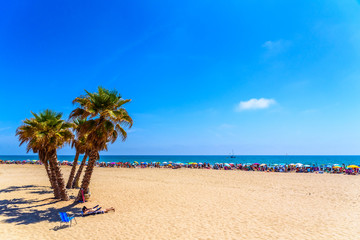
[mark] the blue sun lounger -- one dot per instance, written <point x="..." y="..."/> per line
<point x="66" y="219"/>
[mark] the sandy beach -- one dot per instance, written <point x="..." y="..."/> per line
<point x="184" y="204"/>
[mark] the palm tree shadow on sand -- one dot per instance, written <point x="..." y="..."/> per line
<point x="24" y="211"/>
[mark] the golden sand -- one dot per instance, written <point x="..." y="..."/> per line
<point x="184" y="204"/>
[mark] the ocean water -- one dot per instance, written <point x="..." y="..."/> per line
<point x="268" y="159"/>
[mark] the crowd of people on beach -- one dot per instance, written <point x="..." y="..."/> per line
<point x="292" y="167"/>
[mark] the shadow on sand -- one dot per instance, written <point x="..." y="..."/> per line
<point x="24" y="211"/>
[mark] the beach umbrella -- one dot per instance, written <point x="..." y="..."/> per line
<point x="263" y="164"/>
<point x="227" y="165"/>
<point x="353" y="166"/>
<point x="336" y="167"/>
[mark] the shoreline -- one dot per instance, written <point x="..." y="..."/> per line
<point x="256" y="167"/>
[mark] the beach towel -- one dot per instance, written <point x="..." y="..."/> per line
<point x="97" y="211"/>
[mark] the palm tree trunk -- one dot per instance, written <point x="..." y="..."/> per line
<point x="42" y="157"/>
<point x="46" y="165"/>
<point x="53" y="179"/>
<point x="72" y="173"/>
<point x="75" y="183"/>
<point x="48" y="171"/>
<point x="93" y="156"/>
<point x="59" y="176"/>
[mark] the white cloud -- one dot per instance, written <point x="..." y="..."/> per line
<point x="275" y="47"/>
<point x="270" y="45"/>
<point x="254" y="103"/>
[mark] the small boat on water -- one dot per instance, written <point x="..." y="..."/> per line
<point x="232" y="154"/>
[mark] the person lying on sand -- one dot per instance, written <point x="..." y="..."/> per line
<point x="95" y="210"/>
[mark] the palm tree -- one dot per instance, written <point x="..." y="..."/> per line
<point x="45" y="133"/>
<point x="80" y="145"/>
<point x="106" y="119"/>
<point x="31" y="132"/>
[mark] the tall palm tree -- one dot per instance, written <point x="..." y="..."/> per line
<point x="80" y="145"/>
<point x="106" y="119"/>
<point x="45" y="133"/>
<point x="31" y="132"/>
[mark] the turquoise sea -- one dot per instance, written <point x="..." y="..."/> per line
<point x="268" y="159"/>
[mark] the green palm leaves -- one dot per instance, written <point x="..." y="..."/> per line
<point x="107" y="117"/>
<point x="45" y="130"/>
<point x="79" y="142"/>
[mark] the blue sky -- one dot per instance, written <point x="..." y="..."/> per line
<point x="205" y="77"/>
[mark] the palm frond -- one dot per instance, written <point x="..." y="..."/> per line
<point x="105" y="116"/>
